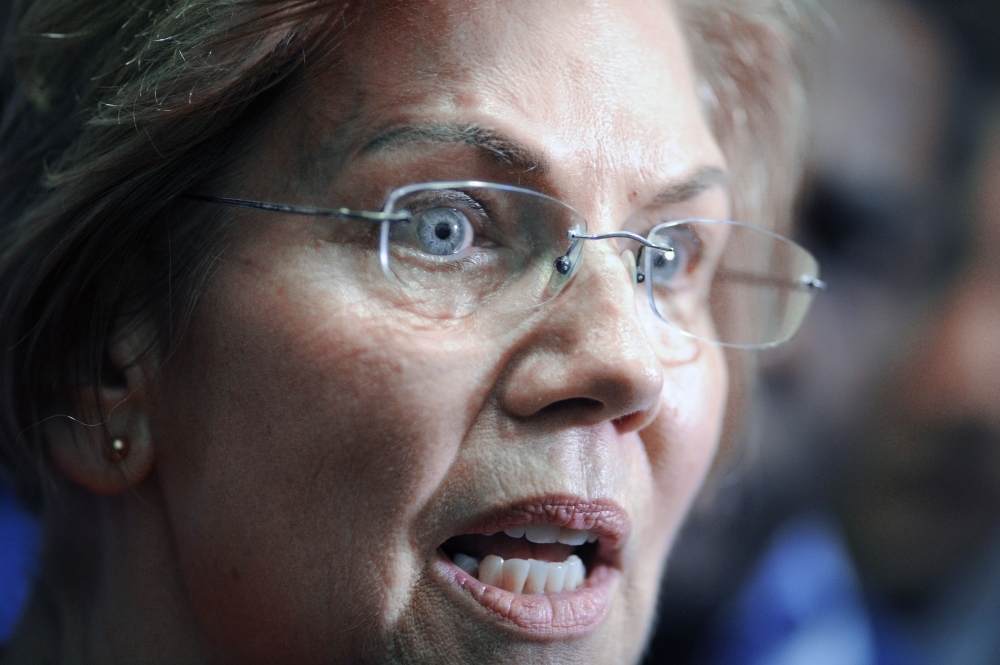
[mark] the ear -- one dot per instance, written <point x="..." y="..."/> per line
<point x="106" y="446"/>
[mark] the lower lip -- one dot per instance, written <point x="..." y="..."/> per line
<point x="555" y="616"/>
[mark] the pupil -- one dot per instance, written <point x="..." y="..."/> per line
<point x="442" y="230"/>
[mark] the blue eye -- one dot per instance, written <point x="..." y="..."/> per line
<point x="673" y="273"/>
<point x="665" y="269"/>
<point x="442" y="231"/>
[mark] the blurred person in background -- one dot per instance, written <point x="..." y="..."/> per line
<point x="868" y="493"/>
<point x="921" y="504"/>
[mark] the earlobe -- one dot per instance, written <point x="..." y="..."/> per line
<point x="96" y="456"/>
<point x="106" y="446"/>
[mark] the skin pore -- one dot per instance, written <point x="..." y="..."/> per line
<point x="311" y="447"/>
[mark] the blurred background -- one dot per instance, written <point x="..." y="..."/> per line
<point x="860" y="521"/>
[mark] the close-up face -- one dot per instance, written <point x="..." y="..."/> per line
<point x="340" y="459"/>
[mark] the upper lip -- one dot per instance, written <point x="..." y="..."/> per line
<point x="606" y="519"/>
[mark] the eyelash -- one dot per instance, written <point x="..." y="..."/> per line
<point x="474" y="209"/>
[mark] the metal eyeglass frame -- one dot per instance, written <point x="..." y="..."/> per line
<point x="563" y="264"/>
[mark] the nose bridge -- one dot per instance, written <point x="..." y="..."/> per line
<point x="603" y="226"/>
<point x="604" y="286"/>
<point x="607" y="334"/>
<point x="602" y="269"/>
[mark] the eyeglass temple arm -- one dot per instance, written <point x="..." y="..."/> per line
<point x="805" y="282"/>
<point x="814" y="283"/>
<point x="366" y="215"/>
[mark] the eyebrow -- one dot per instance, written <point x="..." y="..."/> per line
<point x="508" y="152"/>
<point x="501" y="149"/>
<point x="685" y="190"/>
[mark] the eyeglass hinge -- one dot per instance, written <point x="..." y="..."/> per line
<point x="813" y="283"/>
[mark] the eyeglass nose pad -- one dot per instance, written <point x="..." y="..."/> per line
<point x="566" y="265"/>
<point x="631" y="265"/>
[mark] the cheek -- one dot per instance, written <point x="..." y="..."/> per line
<point x="682" y="442"/>
<point x="314" y="430"/>
<point x="679" y="447"/>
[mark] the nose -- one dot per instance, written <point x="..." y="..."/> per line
<point x="586" y="357"/>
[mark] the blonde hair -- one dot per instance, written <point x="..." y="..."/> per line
<point x="120" y="107"/>
<point x="749" y="54"/>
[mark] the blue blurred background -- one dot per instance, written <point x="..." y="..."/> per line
<point x="19" y="542"/>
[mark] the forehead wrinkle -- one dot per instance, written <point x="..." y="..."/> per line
<point x="503" y="150"/>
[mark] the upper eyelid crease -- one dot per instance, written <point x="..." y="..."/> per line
<point x="455" y="197"/>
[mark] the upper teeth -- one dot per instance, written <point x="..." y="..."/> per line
<point x="551" y="533"/>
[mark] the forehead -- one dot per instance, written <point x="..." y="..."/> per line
<point x="598" y="89"/>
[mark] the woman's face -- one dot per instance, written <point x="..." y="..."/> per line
<point x="324" y="454"/>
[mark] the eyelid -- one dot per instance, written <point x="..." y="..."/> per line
<point x="698" y="241"/>
<point x="452" y="197"/>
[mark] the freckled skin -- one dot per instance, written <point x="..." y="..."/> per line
<point x="315" y="446"/>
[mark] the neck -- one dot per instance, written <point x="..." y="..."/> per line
<point x="109" y="589"/>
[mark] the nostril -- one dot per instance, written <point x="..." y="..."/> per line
<point x="573" y="405"/>
<point x="625" y="420"/>
<point x="632" y="422"/>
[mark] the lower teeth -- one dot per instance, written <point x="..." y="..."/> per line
<point x="525" y="575"/>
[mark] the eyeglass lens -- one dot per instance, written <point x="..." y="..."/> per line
<point x="729" y="283"/>
<point x="497" y="247"/>
<point x="480" y="248"/>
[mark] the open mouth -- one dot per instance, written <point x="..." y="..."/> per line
<point x="530" y="558"/>
<point x="548" y="567"/>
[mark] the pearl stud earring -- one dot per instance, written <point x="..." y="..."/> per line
<point x="118" y="449"/>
